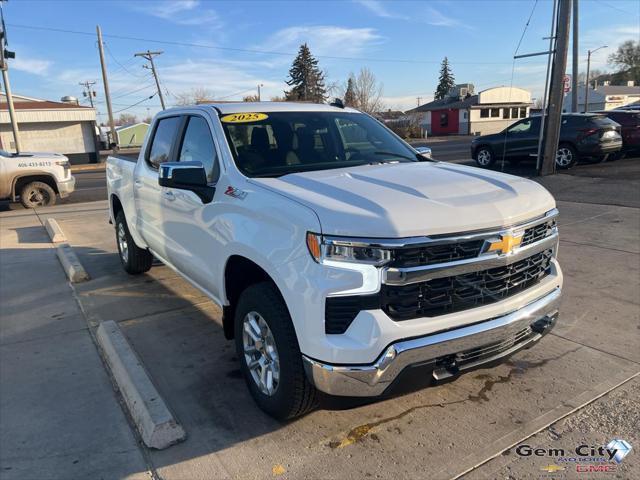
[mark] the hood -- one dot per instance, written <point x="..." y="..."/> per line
<point x="412" y="199"/>
<point x="491" y="137"/>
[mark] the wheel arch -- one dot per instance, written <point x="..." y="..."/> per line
<point x="239" y="273"/>
<point x="20" y="181"/>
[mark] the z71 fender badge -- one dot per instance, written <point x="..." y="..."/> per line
<point x="235" y="193"/>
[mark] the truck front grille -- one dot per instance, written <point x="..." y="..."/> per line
<point x="534" y="234"/>
<point x="461" y="292"/>
<point x="432" y="254"/>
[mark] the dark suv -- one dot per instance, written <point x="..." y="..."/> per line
<point x="629" y="121"/>
<point x="581" y="135"/>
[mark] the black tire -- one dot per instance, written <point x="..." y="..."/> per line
<point x="294" y="395"/>
<point x="566" y="156"/>
<point x="484" y="156"/>
<point x="134" y="260"/>
<point x="37" y="194"/>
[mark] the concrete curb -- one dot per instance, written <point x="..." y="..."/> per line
<point x="70" y="263"/>
<point x="156" y="424"/>
<point x="55" y="232"/>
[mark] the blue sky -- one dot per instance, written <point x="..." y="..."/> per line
<point x="479" y="38"/>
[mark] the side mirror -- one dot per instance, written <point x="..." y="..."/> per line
<point x="189" y="176"/>
<point x="424" y="152"/>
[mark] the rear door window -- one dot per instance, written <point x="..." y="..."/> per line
<point x="197" y="146"/>
<point x="163" y="137"/>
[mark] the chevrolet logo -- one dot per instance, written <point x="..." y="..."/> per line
<point x="552" y="468"/>
<point x="506" y="244"/>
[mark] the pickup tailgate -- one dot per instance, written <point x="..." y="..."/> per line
<point x="120" y="178"/>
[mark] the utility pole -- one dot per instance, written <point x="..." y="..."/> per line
<point x="107" y="95"/>
<point x="574" y="60"/>
<point x="149" y="56"/>
<point x="4" y="66"/>
<point x="556" y="88"/>
<point x="586" y="90"/>
<point x="260" y="85"/>
<point x="88" y="91"/>
<point x="419" y="99"/>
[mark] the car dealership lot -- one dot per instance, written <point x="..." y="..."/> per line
<point x="437" y="432"/>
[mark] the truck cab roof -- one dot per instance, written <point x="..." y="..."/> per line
<point x="241" y="107"/>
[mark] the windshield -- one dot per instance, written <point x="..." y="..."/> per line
<point x="278" y="143"/>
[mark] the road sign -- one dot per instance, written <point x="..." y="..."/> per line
<point x="566" y="80"/>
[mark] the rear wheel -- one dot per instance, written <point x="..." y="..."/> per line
<point x="134" y="260"/>
<point x="269" y="354"/>
<point x="566" y="156"/>
<point x="37" y="194"/>
<point x="484" y="157"/>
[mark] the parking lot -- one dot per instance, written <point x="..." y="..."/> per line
<point x="579" y="385"/>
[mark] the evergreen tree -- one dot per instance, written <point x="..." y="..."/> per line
<point x="305" y="78"/>
<point x="350" y="94"/>
<point x="446" y="81"/>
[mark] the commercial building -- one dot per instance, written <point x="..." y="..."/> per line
<point x="463" y="112"/>
<point x="605" y="97"/>
<point x="47" y="126"/>
<point x="131" y="135"/>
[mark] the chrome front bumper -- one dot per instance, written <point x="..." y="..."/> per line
<point x="446" y="354"/>
<point x="66" y="187"/>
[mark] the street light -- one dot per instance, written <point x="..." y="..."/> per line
<point x="586" y="91"/>
<point x="260" y="85"/>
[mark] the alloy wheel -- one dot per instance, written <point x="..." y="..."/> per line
<point x="122" y="243"/>
<point x="564" y="157"/>
<point x="484" y="157"/>
<point x="38" y="197"/>
<point x="260" y="353"/>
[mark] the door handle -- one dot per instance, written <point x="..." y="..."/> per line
<point x="168" y="194"/>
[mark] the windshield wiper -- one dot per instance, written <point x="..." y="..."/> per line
<point x="396" y="155"/>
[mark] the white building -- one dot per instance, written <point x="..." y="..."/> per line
<point x="47" y="126"/>
<point x="604" y="97"/>
<point x="462" y="112"/>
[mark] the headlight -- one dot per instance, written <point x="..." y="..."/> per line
<point x="323" y="248"/>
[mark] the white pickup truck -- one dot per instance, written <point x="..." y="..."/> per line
<point x="35" y="178"/>
<point x="343" y="259"/>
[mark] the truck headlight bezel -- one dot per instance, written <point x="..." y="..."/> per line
<point x="329" y="248"/>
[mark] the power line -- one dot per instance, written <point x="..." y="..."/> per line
<point x="121" y="65"/>
<point x="150" y="85"/>
<point x="236" y="93"/>
<point x="137" y="103"/>
<point x="148" y="55"/>
<point x="525" y="27"/>
<point x="246" y="50"/>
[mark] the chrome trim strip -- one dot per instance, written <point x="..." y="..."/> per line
<point x="436" y="239"/>
<point x="373" y="379"/>
<point x="409" y="275"/>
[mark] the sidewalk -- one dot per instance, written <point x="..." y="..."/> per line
<point x="59" y="415"/>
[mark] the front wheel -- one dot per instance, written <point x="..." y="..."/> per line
<point x="566" y="156"/>
<point x="37" y="194"/>
<point x="484" y="157"/>
<point x="134" y="259"/>
<point x="270" y="357"/>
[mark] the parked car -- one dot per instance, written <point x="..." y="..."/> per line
<point x="35" y="178"/>
<point x="581" y="135"/>
<point x="341" y="258"/>
<point x="629" y="121"/>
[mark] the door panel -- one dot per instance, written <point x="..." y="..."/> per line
<point x="147" y="192"/>
<point x="190" y="225"/>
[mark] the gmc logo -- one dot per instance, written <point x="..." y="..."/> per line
<point x="595" y="468"/>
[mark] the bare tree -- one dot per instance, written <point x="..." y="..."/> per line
<point x="368" y="92"/>
<point x="250" y="98"/>
<point x="126" y="119"/>
<point x="278" y="99"/>
<point x="194" y="96"/>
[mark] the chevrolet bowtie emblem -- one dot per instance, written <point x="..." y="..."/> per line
<point x="506" y="244"/>
<point x="552" y="468"/>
